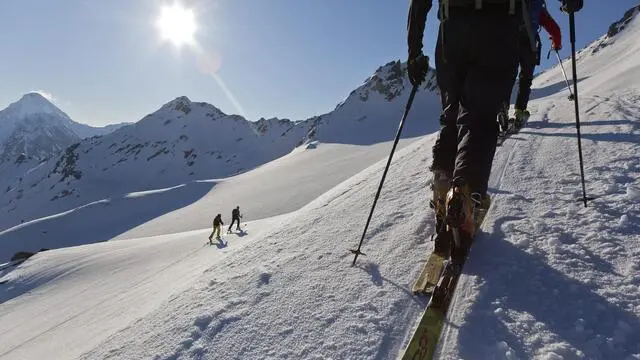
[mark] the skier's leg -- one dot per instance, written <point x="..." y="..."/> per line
<point x="527" y="66"/>
<point x="527" y="59"/>
<point x="486" y="45"/>
<point x="450" y="79"/>
<point x="493" y="41"/>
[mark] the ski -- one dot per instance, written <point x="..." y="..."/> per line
<point x="423" y="342"/>
<point x="429" y="275"/>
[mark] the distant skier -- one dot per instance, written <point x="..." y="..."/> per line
<point x="217" y="223"/>
<point x="528" y="60"/>
<point x="235" y="216"/>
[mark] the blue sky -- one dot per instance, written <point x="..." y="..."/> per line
<point x="103" y="61"/>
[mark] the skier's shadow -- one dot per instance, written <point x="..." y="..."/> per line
<point x="569" y="311"/>
<point x="241" y="233"/>
<point x="221" y="244"/>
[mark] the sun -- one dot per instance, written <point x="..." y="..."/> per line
<point x="177" y="24"/>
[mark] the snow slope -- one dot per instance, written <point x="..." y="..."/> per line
<point x="548" y="278"/>
<point x="86" y="286"/>
<point x="276" y="188"/>
<point x="534" y="287"/>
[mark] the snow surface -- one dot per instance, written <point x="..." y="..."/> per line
<point x="546" y="279"/>
<point x="276" y="188"/>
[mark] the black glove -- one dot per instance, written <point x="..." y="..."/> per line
<point x="571" y="6"/>
<point x="417" y="68"/>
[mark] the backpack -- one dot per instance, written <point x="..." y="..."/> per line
<point x="443" y="12"/>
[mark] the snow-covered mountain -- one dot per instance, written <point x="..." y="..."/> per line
<point x="33" y="127"/>
<point x="185" y="141"/>
<point x="546" y="279"/>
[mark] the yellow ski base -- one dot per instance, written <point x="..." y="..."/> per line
<point x="423" y="344"/>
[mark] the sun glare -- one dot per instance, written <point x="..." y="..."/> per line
<point x="177" y="24"/>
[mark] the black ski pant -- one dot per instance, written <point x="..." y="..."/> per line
<point x="476" y="64"/>
<point x="233" y="222"/>
<point x="527" y="59"/>
<point x="446" y="145"/>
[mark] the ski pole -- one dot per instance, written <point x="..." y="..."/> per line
<point x="566" y="80"/>
<point x="357" y="251"/>
<point x="572" y="30"/>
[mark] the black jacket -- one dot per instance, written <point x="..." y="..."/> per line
<point x="217" y="221"/>
<point x="235" y="213"/>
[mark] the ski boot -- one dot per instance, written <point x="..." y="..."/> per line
<point x="442" y="238"/>
<point x="460" y="220"/>
<point x="503" y="120"/>
<point x="521" y="118"/>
